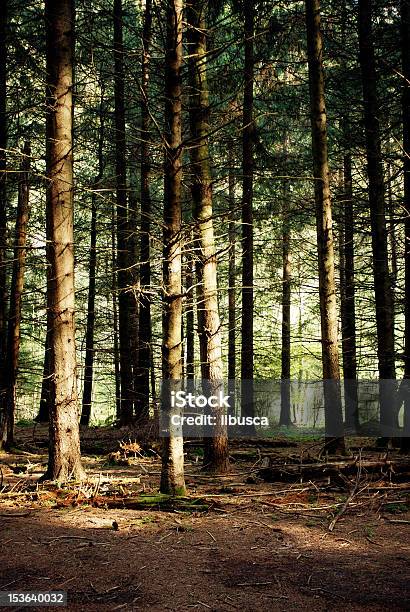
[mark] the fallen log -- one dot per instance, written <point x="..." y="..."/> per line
<point x="152" y="502"/>
<point x="395" y="469"/>
<point x="249" y="443"/>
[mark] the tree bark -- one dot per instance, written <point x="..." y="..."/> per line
<point x="347" y="267"/>
<point x="89" y="334"/>
<point x="247" y="218"/>
<point x="382" y="283"/>
<point x="133" y="273"/>
<point x="285" y="417"/>
<point x="347" y="297"/>
<point x="64" y="456"/>
<point x="216" y="454"/>
<point x="189" y="316"/>
<point x="405" y="40"/>
<point x="142" y="380"/>
<point x="327" y="289"/>
<point x="16" y="292"/>
<point x="231" y="281"/>
<point x="392" y="234"/>
<point x="116" y="348"/>
<point x="122" y="221"/>
<point x="172" y="474"/>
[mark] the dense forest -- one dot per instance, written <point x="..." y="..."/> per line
<point x="213" y="191"/>
<point x="205" y="305"/>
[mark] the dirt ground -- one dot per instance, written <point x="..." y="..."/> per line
<point x="250" y="546"/>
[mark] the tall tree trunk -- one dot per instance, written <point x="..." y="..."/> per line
<point x="382" y="284"/>
<point x="142" y="381"/>
<point x="3" y="192"/>
<point x="189" y="316"/>
<point x="231" y="281"/>
<point x="285" y="417"/>
<point x="172" y="474"/>
<point x="116" y="348"/>
<point x="347" y="266"/>
<point x="216" y="454"/>
<point x="122" y="221"/>
<point x="89" y="335"/>
<point x="182" y="320"/>
<point x="133" y="294"/>
<point x="405" y="39"/>
<point x="16" y="292"/>
<point x="392" y="234"/>
<point x="247" y="218"/>
<point x="327" y="289"/>
<point x="347" y="296"/>
<point x="64" y="456"/>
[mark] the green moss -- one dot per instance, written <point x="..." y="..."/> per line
<point x="179" y="492"/>
<point x="162" y="502"/>
<point x="25" y="423"/>
<point x="396" y="508"/>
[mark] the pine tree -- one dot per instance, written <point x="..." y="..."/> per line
<point x="216" y="455"/>
<point x="64" y="455"/>
<point x="124" y="309"/>
<point x="382" y="283"/>
<point x="16" y="292"/>
<point x="142" y="379"/>
<point x="247" y="365"/>
<point x="172" y="475"/>
<point x="405" y="40"/>
<point x="327" y="288"/>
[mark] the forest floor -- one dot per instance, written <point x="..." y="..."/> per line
<point x="238" y="543"/>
